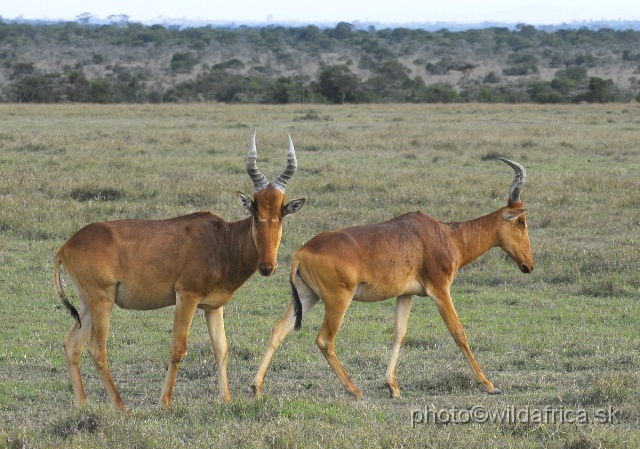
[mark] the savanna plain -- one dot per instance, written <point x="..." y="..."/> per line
<point x="562" y="343"/>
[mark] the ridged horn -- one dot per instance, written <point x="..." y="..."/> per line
<point x="516" y="185"/>
<point x="281" y="181"/>
<point x="259" y="180"/>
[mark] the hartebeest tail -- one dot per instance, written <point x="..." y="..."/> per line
<point x="61" y="294"/>
<point x="410" y="255"/>
<point x="193" y="261"/>
<point x="297" y="305"/>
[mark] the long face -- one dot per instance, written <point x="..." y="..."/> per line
<point x="268" y="210"/>
<point x="514" y="238"/>
<point x="513" y="234"/>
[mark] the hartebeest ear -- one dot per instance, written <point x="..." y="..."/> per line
<point x="293" y="206"/>
<point x="512" y="214"/>
<point x="246" y="202"/>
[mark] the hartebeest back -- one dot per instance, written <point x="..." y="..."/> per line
<point x="194" y="261"/>
<point x="413" y="254"/>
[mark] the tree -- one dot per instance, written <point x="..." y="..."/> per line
<point x="391" y="82"/>
<point x="574" y="72"/>
<point x="339" y="85"/>
<point x="491" y="78"/>
<point x="489" y="95"/>
<point x="441" y="67"/>
<point x="183" y="62"/>
<point x="567" y="87"/>
<point x="119" y="20"/>
<point x="543" y="92"/>
<point x="528" y="31"/>
<point x="600" y="91"/>
<point x="289" y="90"/>
<point x="342" y="31"/>
<point x="84" y="18"/>
<point x="440" y="93"/>
<point x="21" y="69"/>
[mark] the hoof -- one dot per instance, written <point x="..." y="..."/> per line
<point x="164" y="407"/>
<point x="394" y="392"/>
<point x="495" y="391"/>
<point x="357" y="394"/>
<point x="256" y="392"/>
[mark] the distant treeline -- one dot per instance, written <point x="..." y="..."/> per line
<point x="133" y="63"/>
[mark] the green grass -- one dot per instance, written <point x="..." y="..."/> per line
<point x="565" y="336"/>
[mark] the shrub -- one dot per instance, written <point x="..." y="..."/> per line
<point x="489" y="95"/>
<point x="234" y="64"/>
<point x="97" y="58"/>
<point x="183" y="62"/>
<point x="439" y="68"/>
<point x="391" y="82"/>
<point x="575" y="73"/>
<point x="600" y="91"/>
<point x="491" y="78"/>
<point x="520" y="70"/>
<point x="339" y="85"/>
<point x="440" y="93"/>
<point x="97" y="194"/>
<point x="543" y="92"/>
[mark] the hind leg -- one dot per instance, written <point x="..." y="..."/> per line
<point x="335" y="308"/>
<point x="73" y="345"/>
<point x="403" y="307"/>
<point x="280" y="330"/>
<point x="100" y="320"/>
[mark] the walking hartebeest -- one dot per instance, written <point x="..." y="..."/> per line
<point x="413" y="254"/>
<point x="194" y="261"/>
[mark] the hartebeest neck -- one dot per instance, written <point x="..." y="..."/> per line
<point x="241" y="246"/>
<point x="475" y="237"/>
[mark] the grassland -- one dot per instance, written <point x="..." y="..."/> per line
<point x="562" y="338"/>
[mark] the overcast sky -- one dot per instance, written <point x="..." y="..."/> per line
<point x="534" y="12"/>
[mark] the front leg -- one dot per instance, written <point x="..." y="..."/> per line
<point x="185" y="309"/>
<point x="215" y="324"/>
<point x="450" y="317"/>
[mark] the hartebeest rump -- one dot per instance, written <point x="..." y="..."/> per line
<point x="413" y="254"/>
<point x="193" y="261"/>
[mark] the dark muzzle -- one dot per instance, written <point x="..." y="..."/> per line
<point x="266" y="269"/>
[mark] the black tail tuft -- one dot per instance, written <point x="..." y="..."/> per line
<point x="73" y="311"/>
<point x="297" y="306"/>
